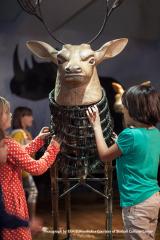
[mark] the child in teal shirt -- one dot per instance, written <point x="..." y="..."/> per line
<point x="137" y="150"/>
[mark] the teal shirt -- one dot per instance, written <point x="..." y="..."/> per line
<point x="137" y="167"/>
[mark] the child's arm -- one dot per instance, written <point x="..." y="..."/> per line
<point x="38" y="142"/>
<point x="105" y="153"/>
<point x="34" y="145"/>
<point x="19" y="157"/>
<point x="3" y="148"/>
<point x="3" y="153"/>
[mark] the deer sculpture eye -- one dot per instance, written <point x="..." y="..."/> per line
<point x="61" y="60"/>
<point x="92" y="61"/>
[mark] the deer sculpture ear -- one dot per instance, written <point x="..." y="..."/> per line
<point x="110" y="49"/>
<point x="43" y="50"/>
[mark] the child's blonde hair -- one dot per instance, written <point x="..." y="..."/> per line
<point x="4" y="106"/>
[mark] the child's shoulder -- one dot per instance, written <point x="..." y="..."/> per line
<point x="126" y="131"/>
<point x="19" y="135"/>
<point x="126" y="134"/>
<point x="131" y="132"/>
<point x="139" y="132"/>
<point x="18" y="132"/>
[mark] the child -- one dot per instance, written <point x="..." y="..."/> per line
<point x="137" y="150"/>
<point x="14" y="219"/>
<point x="22" y="119"/>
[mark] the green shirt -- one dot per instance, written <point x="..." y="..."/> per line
<point x="137" y="167"/>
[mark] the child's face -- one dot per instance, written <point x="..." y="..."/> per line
<point x="27" y="121"/>
<point x="128" y="120"/>
<point x="6" y="119"/>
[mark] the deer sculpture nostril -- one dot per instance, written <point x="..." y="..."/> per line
<point x="77" y="69"/>
<point x="73" y="69"/>
<point x="67" y="70"/>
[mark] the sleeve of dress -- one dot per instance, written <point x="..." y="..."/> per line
<point x="34" y="146"/>
<point x="125" y="141"/>
<point x="18" y="156"/>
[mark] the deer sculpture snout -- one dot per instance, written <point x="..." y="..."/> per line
<point x="73" y="69"/>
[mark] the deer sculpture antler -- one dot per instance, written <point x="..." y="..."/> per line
<point x="33" y="7"/>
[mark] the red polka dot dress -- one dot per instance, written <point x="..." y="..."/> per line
<point x="13" y="207"/>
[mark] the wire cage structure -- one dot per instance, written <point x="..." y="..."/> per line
<point x="78" y="163"/>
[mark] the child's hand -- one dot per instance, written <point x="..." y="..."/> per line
<point x="44" y="133"/>
<point x="114" y="136"/>
<point x="36" y="225"/>
<point x="93" y="116"/>
<point x="3" y="153"/>
<point x="56" y="141"/>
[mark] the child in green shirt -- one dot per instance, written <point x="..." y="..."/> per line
<point x="137" y="150"/>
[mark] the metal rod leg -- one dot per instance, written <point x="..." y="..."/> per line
<point x="55" y="209"/>
<point x="68" y="208"/>
<point x="108" y="201"/>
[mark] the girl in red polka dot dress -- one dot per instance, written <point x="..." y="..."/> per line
<point x="14" y="219"/>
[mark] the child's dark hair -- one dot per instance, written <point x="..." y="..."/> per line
<point x="143" y="103"/>
<point x="18" y="113"/>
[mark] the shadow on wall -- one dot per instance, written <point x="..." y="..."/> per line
<point x="32" y="83"/>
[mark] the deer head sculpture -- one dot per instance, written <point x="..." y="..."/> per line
<point x="77" y="81"/>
